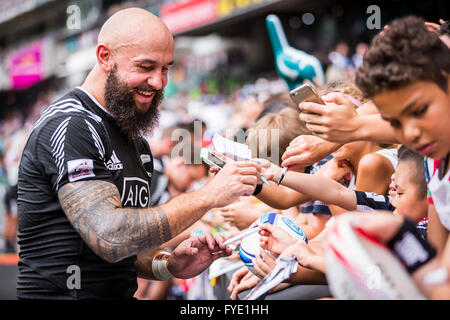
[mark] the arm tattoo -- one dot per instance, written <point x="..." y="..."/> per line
<point x="112" y="232"/>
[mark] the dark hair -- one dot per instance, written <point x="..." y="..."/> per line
<point x="405" y="154"/>
<point x="404" y="53"/>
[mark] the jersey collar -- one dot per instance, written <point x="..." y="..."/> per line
<point x="95" y="100"/>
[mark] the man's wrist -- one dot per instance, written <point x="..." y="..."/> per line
<point x="160" y="266"/>
<point x="205" y="200"/>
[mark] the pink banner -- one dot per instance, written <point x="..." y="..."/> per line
<point x="26" y="66"/>
<point x="184" y="15"/>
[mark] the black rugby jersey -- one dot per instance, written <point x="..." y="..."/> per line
<point x="75" y="139"/>
<point x="368" y="201"/>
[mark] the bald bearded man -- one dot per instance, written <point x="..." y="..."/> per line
<point x="86" y="230"/>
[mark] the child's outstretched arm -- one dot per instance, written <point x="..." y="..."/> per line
<point x="280" y="197"/>
<point x="315" y="187"/>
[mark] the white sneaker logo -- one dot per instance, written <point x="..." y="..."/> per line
<point x="114" y="163"/>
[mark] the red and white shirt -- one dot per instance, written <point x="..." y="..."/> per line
<point x="439" y="188"/>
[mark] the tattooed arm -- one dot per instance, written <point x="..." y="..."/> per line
<point x="94" y="209"/>
<point x="114" y="233"/>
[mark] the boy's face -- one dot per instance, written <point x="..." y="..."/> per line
<point x="393" y="191"/>
<point x="419" y="113"/>
<point x="407" y="201"/>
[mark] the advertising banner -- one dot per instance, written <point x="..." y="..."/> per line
<point x="180" y="16"/>
<point x="26" y="66"/>
<point x="184" y="15"/>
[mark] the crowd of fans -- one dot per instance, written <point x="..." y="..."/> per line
<point x="353" y="155"/>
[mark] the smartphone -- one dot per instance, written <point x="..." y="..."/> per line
<point x="211" y="159"/>
<point x="305" y="93"/>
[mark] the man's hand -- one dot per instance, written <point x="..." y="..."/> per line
<point x="194" y="255"/>
<point x="306" y="150"/>
<point x="336" y="121"/>
<point x="234" y="180"/>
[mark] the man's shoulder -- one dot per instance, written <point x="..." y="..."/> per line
<point x="71" y="105"/>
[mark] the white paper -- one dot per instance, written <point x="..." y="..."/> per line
<point x="222" y="266"/>
<point x="242" y="235"/>
<point x="234" y="150"/>
<point x="282" y="270"/>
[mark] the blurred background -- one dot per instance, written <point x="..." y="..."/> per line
<point x="224" y="65"/>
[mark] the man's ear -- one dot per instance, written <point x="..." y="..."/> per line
<point x="104" y="58"/>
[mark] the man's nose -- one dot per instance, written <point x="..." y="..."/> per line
<point x="157" y="80"/>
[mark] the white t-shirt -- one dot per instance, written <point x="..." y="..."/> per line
<point x="439" y="188"/>
<point x="391" y="155"/>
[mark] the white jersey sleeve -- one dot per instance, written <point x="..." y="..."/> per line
<point x="439" y="188"/>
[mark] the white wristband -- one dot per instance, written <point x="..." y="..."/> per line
<point x="159" y="266"/>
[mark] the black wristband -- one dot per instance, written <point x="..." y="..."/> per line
<point x="283" y="173"/>
<point x="413" y="250"/>
<point x="257" y="189"/>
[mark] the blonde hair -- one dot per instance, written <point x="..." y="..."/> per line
<point x="263" y="135"/>
<point x="346" y="87"/>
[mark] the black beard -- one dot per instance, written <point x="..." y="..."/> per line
<point x="119" y="100"/>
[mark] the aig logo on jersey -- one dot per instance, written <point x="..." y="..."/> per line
<point x="135" y="192"/>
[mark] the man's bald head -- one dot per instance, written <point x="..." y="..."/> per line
<point x="134" y="53"/>
<point x="134" y="27"/>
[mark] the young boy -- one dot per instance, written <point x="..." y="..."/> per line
<point x="410" y="185"/>
<point x="406" y="73"/>
<point x="409" y="196"/>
